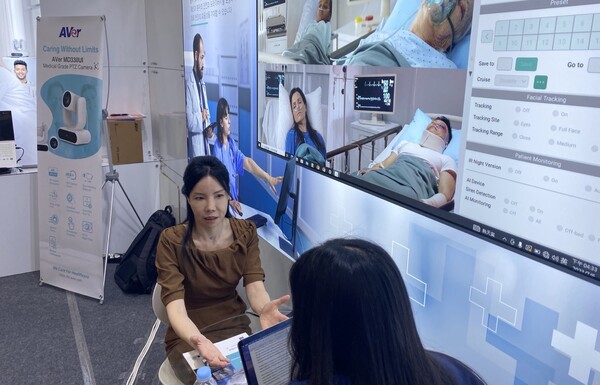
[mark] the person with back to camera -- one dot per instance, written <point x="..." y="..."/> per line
<point x="200" y="263"/>
<point x="353" y="323"/>
<point x="302" y="130"/>
<point x="429" y="153"/>
<point x="230" y="155"/>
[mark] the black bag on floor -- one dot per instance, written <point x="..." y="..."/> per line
<point x="136" y="273"/>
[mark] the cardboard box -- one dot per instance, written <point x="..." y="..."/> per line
<point x="126" y="141"/>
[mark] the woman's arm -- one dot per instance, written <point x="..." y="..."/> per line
<point x="254" y="169"/>
<point x="188" y="331"/>
<point x="262" y="305"/>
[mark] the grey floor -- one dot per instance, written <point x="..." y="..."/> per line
<point x="51" y="336"/>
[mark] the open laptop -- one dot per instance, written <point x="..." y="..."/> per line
<point x="8" y="151"/>
<point x="266" y="356"/>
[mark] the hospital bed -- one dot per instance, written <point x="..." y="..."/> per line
<point x="400" y="18"/>
<point x="277" y="118"/>
<point x="410" y="132"/>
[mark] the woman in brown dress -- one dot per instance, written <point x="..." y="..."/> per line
<point x="200" y="263"/>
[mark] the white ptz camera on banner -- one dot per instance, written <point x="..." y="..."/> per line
<point x="75" y="119"/>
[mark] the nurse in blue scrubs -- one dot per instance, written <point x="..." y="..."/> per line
<point x="227" y="151"/>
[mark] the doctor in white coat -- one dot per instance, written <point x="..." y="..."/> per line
<point x="200" y="139"/>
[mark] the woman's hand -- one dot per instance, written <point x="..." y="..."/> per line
<point x="270" y="314"/>
<point x="273" y="180"/>
<point x="236" y="206"/>
<point x="208" y="351"/>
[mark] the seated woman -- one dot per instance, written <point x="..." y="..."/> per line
<point x="420" y="171"/>
<point x="433" y="32"/>
<point x="302" y="131"/>
<point x="200" y="263"/>
<point x="353" y="322"/>
<point x="230" y="155"/>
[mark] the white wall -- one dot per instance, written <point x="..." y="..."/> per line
<point x="129" y="92"/>
<point x="346" y="13"/>
<point x="19" y="232"/>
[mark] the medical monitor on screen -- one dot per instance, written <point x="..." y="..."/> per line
<point x="290" y="188"/>
<point x="8" y="153"/>
<point x="272" y="81"/>
<point x="374" y="94"/>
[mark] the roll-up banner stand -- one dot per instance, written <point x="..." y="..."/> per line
<point x="70" y="176"/>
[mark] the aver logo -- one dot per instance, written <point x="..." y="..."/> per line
<point x="69" y="32"/>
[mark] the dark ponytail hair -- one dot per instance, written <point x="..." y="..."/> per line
<point x="222" y="110"/>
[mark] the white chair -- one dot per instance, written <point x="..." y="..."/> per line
<point x="166" y="375"/>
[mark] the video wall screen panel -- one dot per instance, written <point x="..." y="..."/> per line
<point x="524" y="164"/>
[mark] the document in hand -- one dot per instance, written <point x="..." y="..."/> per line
<point x="232" y="374"/>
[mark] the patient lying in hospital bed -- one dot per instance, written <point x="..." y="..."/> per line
<point x="418" y="170"/>
<point x="425" y="42"/>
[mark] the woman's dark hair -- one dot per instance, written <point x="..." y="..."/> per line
<point x="199" y="168"/>
<point x="353" y="319"/>
<point x="447" y="123"/>
<point x="222" y="110"/>
<point x="312" y="133"/>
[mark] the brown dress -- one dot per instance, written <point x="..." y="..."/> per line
<point x="207" y="282"/>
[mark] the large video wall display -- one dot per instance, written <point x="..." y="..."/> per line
<point x="512" y="319"/>
<point x="488" y="135"/>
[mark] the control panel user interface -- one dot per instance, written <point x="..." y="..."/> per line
<point x="532" y="124"/>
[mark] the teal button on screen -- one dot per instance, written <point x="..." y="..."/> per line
<point x="526" y="64"/>
<point x="540" y="82"/>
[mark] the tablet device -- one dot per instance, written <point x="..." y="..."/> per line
<point x="266" y="355"/>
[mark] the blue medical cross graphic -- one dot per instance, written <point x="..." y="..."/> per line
<point x="340" y="224"/>
<point x="490" y="301"/>
<point x="417" y="289"/>
<point x="537" y="362"/>
<point x="581" y="351"/>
